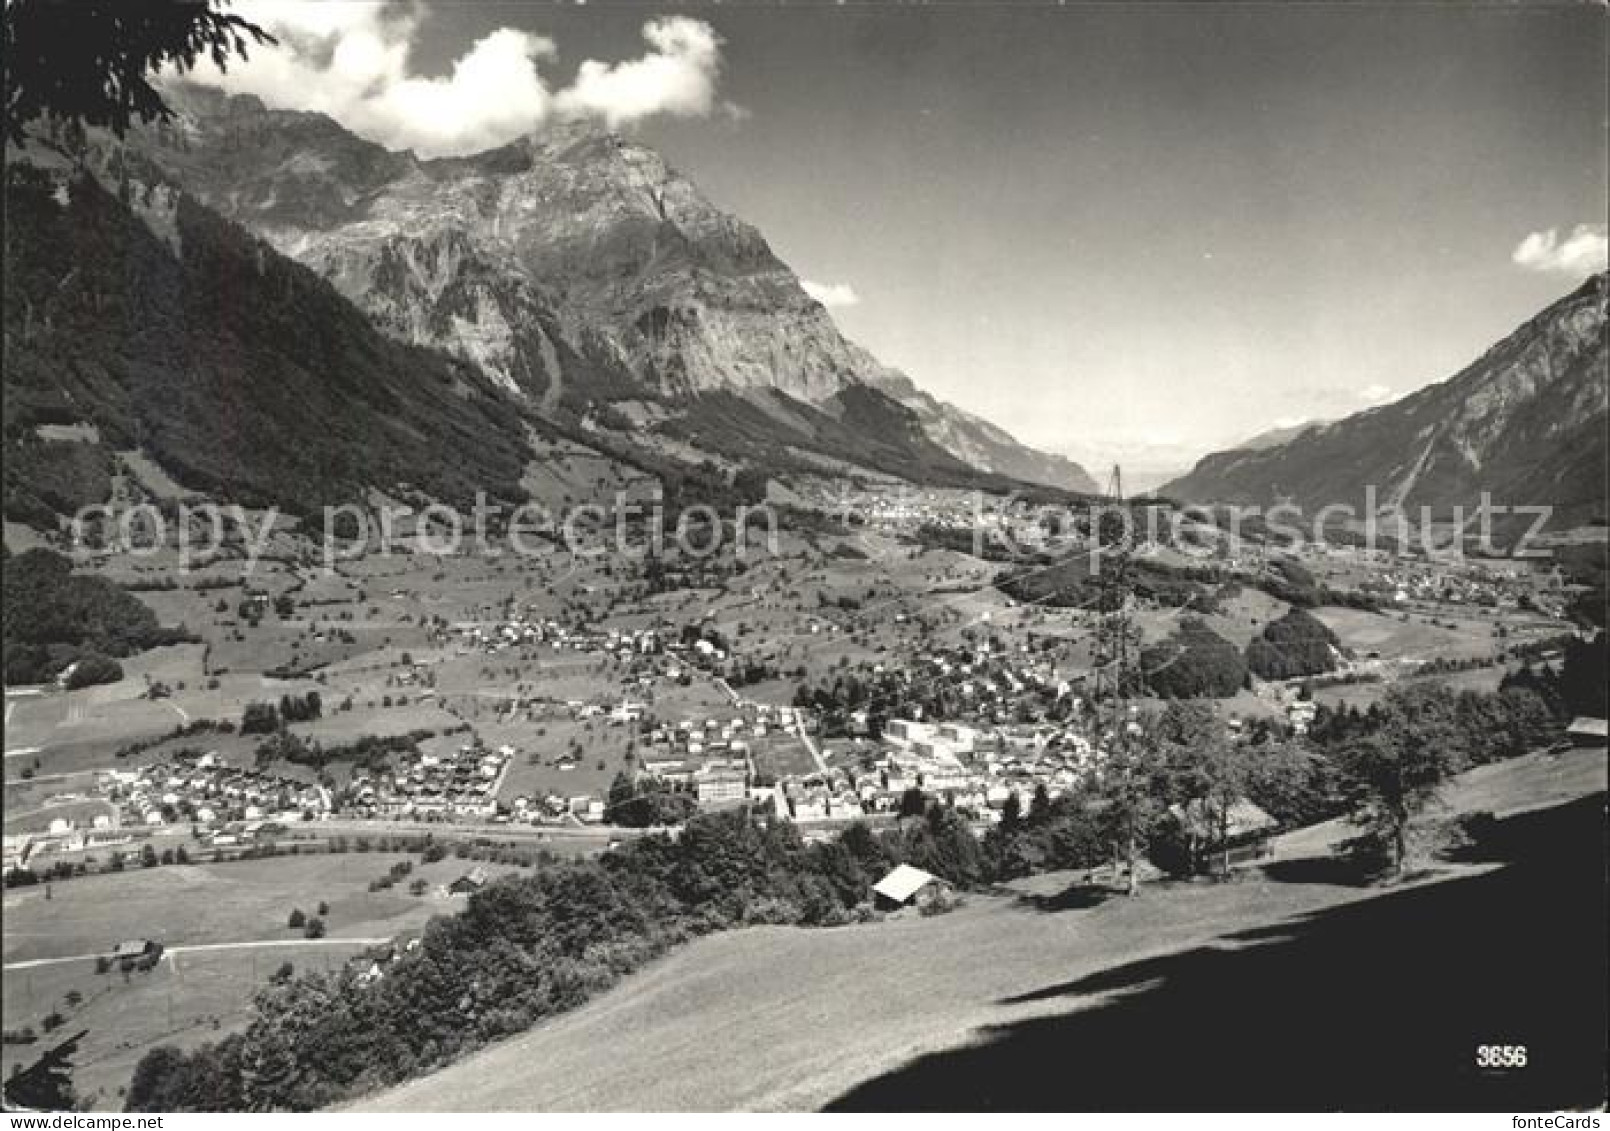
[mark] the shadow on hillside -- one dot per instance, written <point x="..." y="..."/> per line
<point x="1337" y="871"/>
<point x="1081" y="895"/>
<point x="1379" y="1004"/>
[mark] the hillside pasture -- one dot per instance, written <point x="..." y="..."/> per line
<point x="1406" y="636"/>
<point x="188" y="999"/>
<point x="986" y="1008"/>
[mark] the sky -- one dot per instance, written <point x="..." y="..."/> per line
<point x="1125" y="232"/>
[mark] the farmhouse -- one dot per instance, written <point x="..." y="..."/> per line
<point x="1246" y="828"/>
<point x="132" y="953"/>
<point x="907" y="887"/>
<point x="469" y="883"/>
<point x="1588" y="732"/>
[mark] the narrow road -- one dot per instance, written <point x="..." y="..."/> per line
<point x="810" y="745"/>
<point x="171" y="952"/>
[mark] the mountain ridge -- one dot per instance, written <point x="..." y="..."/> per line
<point x="1525" y="422"/>
<point x="573" y="266"/>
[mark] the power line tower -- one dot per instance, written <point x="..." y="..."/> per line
<point x="1116" y="655"/>
<point x="1112" y="550"/>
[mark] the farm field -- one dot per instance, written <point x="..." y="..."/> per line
<point x="1395" y="636"/>
<point x="190" y="998"/>
<point x="988" y="1006"/>
<point x="1363" y="695"/>
<point x="218" y="903"/>
<point x="233" y="914"/>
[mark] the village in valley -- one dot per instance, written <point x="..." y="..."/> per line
<point x="483" y="633"/>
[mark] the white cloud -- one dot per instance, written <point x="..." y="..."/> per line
<point x="831" y="294"/>
<point x="350" y="59"/>
<point x="1374" y="394"/>
<point x="1583" y="252"/>
<point x="677" y="77"/>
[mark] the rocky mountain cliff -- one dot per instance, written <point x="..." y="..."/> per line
<point x="153" y="326"/>
<point x="1525" y="422"/>
<point x="573" y="267"/>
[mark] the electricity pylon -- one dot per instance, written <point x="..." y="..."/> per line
<point x="1117" y="645"/>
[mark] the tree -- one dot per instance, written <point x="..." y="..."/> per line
<point x="314" y="929"/>
<point x="1040" y="805"/>
<point x="297" y="920"/>
<point x="90" y="62"/>
<point x="1585" y="682"/>
<point x="1395" y="769"/>
<point x="1133" y="807"/>
<point x="913" y="803"/>
<point x="259" y="718"/>
<point x="621" y="792"/>
<point x="1205" y="774"/>
<point x="1011" y="813"/>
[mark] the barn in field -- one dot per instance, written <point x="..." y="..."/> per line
<point x="907" y="887"/>
<point x="1588" y="732"/>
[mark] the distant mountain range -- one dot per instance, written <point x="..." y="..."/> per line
<point x="1526" y="423"/>
<point x="574" y="268"/>
<point x="1274" y="437"/>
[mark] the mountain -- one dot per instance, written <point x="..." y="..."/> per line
<point x="159" y="326"/>
<point x="1525" y="423"/>
<point x="1274" y="437"/>
<point x="981" y="444"/>
<point x="574" y="268"/>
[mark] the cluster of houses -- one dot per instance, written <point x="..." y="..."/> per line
<point x="901" y="508"/>
<point x="426" y="784"/>
<point x="205" y="790"/>
<point x="64" y="837"/>
<point x="1467" y="583"/>
<point x="974" y="769"/>
<point x="674" y="651"/>
<point x="525" y="628"/>
<point x="712" y="757"/>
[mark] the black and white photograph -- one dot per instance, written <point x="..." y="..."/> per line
<point x="805" y="557"/>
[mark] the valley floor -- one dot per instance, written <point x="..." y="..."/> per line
<point x="1286" y="988"/>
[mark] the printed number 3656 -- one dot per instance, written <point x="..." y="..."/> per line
<point x="1500" y="1056"/>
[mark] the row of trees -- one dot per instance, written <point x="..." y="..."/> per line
<point x="266" y="718"/>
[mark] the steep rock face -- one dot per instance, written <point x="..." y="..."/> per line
<point x="571" y="266"/>
<point x="978" y="442"/>
<point x="242" y="373"/>
<point x="1525" y="422"/>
